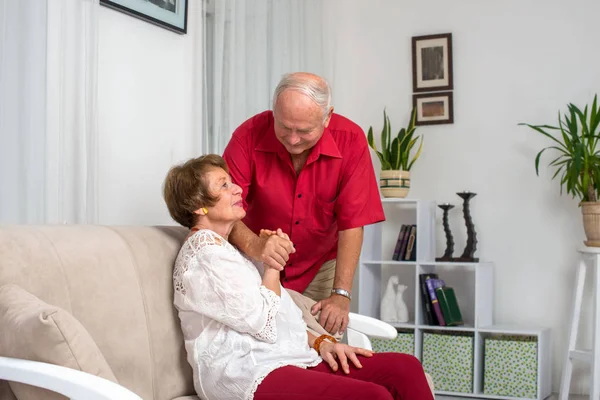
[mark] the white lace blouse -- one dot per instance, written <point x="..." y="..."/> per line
<point x="236" y="331"/>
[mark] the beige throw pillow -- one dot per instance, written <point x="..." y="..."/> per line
<point x="34" y="330"/>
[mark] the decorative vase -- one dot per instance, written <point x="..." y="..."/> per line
<point x="394" y="183"/>
<point x="591" y="222"/>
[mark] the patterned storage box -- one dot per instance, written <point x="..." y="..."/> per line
<point x="403" y="343"/>
<point x="448" y="358"/>
<point x="510" y="366"/>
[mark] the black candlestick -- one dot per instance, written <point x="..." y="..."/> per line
<point x="449" y="239"/>
<point x="471" y="246"/>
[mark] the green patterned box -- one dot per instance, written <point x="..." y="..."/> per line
<point x="510" y="366"/>
<point x="403" y="343"/>
<point x="448" y="358"/>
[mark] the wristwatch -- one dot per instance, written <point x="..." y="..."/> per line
<point x="342" y="292"/>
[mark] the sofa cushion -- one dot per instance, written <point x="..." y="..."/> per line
<point x="5" y="392"/>
<point x="34" y="330"/>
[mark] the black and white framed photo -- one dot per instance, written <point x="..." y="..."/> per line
<point x="169" y="14"/>
<point x="432" y="62"/>
<point x="434" y="108"/>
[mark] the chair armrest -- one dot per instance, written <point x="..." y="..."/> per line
<point x="76" y="385"/>
<point x="372" y="327"/>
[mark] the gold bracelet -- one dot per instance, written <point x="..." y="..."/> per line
<point x="319" y="340"/>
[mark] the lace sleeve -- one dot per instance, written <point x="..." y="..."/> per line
<point x="221" y="286"/>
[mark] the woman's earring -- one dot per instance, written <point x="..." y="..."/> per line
<point x="205" y="210"/>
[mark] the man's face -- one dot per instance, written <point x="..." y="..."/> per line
<point x="298" y="122"/>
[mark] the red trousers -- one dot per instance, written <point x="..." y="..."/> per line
<point x="385" y="376"/>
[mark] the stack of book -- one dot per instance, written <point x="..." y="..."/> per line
<point x="439" y="302"/>
<point x="406" y="245"/>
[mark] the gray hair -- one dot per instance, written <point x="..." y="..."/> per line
<point x="316" y="88"/>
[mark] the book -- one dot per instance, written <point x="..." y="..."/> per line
<point x="411" y="249"/>
<point x="396" y="254"/>
<point x="404" y="244"/>
<point x="449" y="306"/>
<point x="429" y="315"/>
<point x="434" y="301"/>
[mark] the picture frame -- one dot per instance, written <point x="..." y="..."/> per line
<point x="432" y="63"/>
<point x="434" y="108"/>
<point x="168" y="14"/>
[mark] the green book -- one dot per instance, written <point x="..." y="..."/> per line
<point x="449" y="306"/>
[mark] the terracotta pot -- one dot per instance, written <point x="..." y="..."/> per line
<point x="591" y="223"/>
<point x="394" y="183"/>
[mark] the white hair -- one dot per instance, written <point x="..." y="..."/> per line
<point x="316" y="89"/>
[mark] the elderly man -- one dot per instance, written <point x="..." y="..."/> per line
<point x="307" y="171"/>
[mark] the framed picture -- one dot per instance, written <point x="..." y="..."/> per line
<point x="434" y="108"/>
<point x="432" y="62"/>
<point x="169" y="14"/>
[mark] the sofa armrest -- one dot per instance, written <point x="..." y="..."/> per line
<point x="372" y="327"/>
<point x="361" y="327"/>
<point x="76" y="385"/>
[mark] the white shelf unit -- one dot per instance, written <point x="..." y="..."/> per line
<point x="473" y="284"/>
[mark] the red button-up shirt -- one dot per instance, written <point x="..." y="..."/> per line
<point x="335" y="190"/>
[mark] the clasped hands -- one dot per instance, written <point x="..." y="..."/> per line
<point x="274" y="248"/>
<point x="273" y="251"/>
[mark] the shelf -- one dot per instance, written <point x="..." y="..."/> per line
<point x="399" y="200"/>
<point x="478" y="395"/>
<point x="389" y="262"/>
<point x="403" y="325"/>
<point x="451" y="263"/>
<point x="461" y="328"/>
<point x="412" y="325"/>
<point x="473" y="284"/>
<point x="512" y="329"/>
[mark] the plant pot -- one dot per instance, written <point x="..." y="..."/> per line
<point x="591" y="222"/>
<point x="394" y="183"/>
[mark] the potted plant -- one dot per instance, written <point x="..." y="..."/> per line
<point x="575" y="140"/>
<point x="395" y="156"/>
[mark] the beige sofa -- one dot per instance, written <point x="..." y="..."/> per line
<point x="66" y="289"/>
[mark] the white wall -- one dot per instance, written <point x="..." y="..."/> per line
<point x="514" y="61"/>
<point x="148" y="113"/>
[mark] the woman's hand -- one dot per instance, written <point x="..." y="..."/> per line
<point x="265" y="233"/>
<point x="342" y="352"/>
<point x="276" y="248"/>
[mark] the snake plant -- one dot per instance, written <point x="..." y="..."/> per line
<point x="575" y="139"/>
<point x="396" y="154"/>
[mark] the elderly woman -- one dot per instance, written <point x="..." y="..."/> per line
<point x="245" y="338"/>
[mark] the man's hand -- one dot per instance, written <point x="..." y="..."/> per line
<point x="272" y="248"/>
<point x="343" y="352"/>
<point x="334" y="313"/>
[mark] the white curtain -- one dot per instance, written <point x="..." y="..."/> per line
<point x="48" y="126"/>
<point x="248" y="45"/>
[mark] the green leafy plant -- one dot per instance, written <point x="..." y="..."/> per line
<point x="575" y="139"/>
<point x="396" y="154"/>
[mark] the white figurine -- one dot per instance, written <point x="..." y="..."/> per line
<point x="388" y="301"/>
<point x="401" y="309"/>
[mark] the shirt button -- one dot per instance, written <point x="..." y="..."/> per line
<point x="297" y="222"/>
<point x="290" y="264"/>
<point x="300" y="195"/>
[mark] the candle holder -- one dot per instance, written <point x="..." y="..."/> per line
<point x="449" y="239"/>
<point x="467" y="255"/>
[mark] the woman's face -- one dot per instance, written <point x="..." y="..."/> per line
<point x="229" y="207"/>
